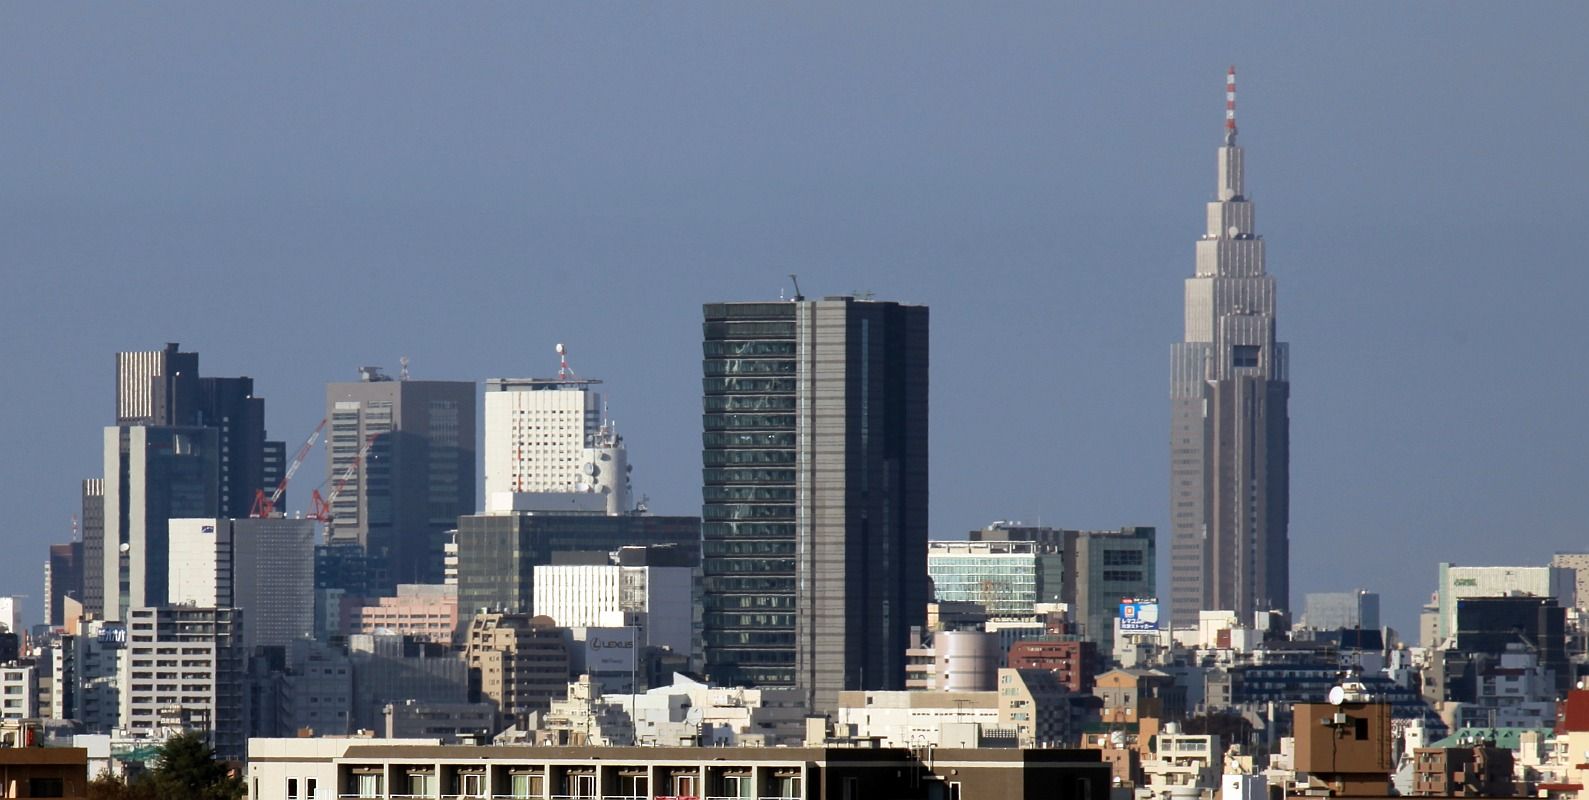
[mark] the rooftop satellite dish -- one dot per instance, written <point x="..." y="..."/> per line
<point x="561" y="350"/>
<point x="1233" y="231"/>
<point x="1337" y="695"/>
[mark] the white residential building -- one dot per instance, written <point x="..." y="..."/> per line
<point x="549" y="437"/>
<point x="1183" y="762"/>
<point x="87" y="670"/>
<point x="184" y="665"/>
<point x="687" y="712"/>
<point x="19" y="692"/>
<point x="914" y="719"/>
<point x="1514" y="692"/>
<point x="587" y="717"/>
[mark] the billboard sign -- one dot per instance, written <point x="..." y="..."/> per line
<point x="1139" y="614"/>
<point x="609" y="650"/>
<point x="113" y="636"/>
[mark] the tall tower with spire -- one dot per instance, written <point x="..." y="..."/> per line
<point x="1229" y="426"/>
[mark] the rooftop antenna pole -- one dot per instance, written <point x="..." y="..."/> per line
<point x="796" y="280"/>
<point x="402" y="373"/>
<point x="1230" y="107"/>
<point x="562" y="363"/>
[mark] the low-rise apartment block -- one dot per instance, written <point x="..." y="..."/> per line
<point x="294" y="769"/>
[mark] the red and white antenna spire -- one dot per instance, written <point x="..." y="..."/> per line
<point x="1230" y="106"/>
<point x="562" y="363"/>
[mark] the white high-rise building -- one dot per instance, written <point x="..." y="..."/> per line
<point x="1459" y="582"/>
<point x="660" y="601"/>
<point x="550" y="436"/>
<point x="201" y="562"/>
<point x="184" y="665"/>
<point x="11" y="614"/>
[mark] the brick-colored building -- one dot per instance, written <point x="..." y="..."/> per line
<point x="1122" y="752"/>
<point x="1074" y="662"/>
<point x="1482" y="770"/>
<point x="518" y="662"/>
<point x="1345" y="749"/>
<point x="427" y="612"/>
<point x="44" y="772"/>
<point x="1132" y="694"/>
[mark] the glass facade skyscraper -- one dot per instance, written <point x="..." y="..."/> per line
<point x="748" y="492"/>
<point x="814" y="484"/>
<point x="1008" y="579"/>
<point x="153" y="474"/>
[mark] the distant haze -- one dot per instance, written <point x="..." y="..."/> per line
<point x="299" y="189"/>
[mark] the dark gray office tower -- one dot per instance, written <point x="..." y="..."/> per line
<point x="229" y="406"/>
<point x="416" y="479"/>
<point x="1229" y="427"/>
<point x="153" y="474"/>
<point x="163" y="387"/>
<point x="273" y="565"/>
<point x="93" y="527"/>
<point x="156" y="387"/>
<point x="814" y="515"/>
<point x="499" y="551"/>
<point x="63" y="578"/>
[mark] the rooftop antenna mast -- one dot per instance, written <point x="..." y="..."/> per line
<point x="75" y="532"/>
<point x="1230" y="106"/>
<point x="795" y="279"/>
<point x="564" y="372"/>
<point x="402" y="373"/>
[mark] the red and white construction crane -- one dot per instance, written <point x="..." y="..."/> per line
<point x="320" y="507"/>
<point x="265" y="506"/>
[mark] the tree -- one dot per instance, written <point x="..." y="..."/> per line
<point x="186" y="767"/>
<point x="106" y="786"/>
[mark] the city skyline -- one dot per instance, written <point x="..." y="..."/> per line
<point x="1404" y="266"/>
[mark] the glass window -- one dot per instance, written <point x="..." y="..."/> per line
<point x="46" y="787"/>
<point x="421" y="783"/>
<point x="740" y="786"/>
<point x="368" y="784"/>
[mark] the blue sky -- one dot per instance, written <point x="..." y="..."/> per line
<point x="298" y="189"/>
